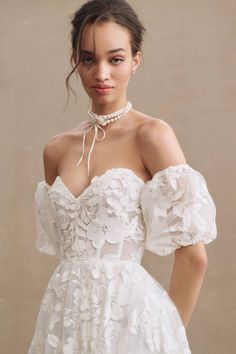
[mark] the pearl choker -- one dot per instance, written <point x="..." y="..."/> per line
<point x="108" y="118"/>
<point x="95" y="121"/>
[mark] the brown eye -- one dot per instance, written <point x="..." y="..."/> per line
<point x="117" y="60"/>
<point x="87" y="60"/>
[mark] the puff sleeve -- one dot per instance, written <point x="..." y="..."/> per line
<point x="46" y="231"/>
<point x="178" y="210"/>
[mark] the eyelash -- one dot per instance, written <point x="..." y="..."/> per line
<point x="83" y="60"/>
<point x="120" y="59"/>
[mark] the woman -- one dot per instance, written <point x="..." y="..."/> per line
<point x="140" y="193"/>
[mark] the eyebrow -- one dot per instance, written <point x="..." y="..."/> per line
<point x="83" y="51"/>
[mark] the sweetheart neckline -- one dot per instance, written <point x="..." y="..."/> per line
<point x="139" y="179"/>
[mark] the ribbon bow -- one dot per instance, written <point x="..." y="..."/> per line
<point x="90" y="124"/>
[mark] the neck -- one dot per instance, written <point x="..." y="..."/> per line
<point x="106" y="108"/>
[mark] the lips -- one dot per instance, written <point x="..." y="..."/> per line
<point x="102" y="89"/>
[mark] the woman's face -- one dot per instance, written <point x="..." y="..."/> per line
<point x="105" y="77"/>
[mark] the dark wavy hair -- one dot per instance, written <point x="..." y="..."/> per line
<point x="94" y="11"/>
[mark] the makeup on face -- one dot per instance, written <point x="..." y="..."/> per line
<point x="107" y="71"/>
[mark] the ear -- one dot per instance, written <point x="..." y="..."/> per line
<point x="136" y="61"/>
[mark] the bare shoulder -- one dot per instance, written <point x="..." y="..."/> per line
<point x="158" y="144"/>
<point x="151" y="130"/>
<point x="52" y="152"/>
<point x="55" y="149"/>
<point x="148" y="123"/>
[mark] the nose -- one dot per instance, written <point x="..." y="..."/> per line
<point x="102" y="72"/>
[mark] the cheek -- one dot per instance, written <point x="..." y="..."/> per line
<point x="123" y="74"/>
<point x="84" y="77"/>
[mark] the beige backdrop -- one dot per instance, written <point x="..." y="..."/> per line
<point x="187" y="78"/>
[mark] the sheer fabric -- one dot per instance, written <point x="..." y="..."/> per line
<point x="100" y="299"/>
<point x="178" y="210"/>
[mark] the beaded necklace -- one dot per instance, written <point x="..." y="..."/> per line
<point x="96" y="121"/>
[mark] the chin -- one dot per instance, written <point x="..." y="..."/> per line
<point x="103" y="99"/>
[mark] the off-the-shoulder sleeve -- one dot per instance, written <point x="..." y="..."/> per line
<point x="178" y="210"/>
<point x="47" y="237"/>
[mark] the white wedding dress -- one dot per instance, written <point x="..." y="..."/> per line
<point x="99" y="299"/>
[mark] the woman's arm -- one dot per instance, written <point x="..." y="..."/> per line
<point x="187" y="277"/>
<point x="159" y="148"/>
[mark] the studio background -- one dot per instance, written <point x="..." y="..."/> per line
<point x="187" y="78"/>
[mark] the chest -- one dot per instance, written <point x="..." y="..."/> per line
<point x="118" y="149"/>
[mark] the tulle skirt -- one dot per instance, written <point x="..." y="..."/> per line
<point x="97" y="306"/>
